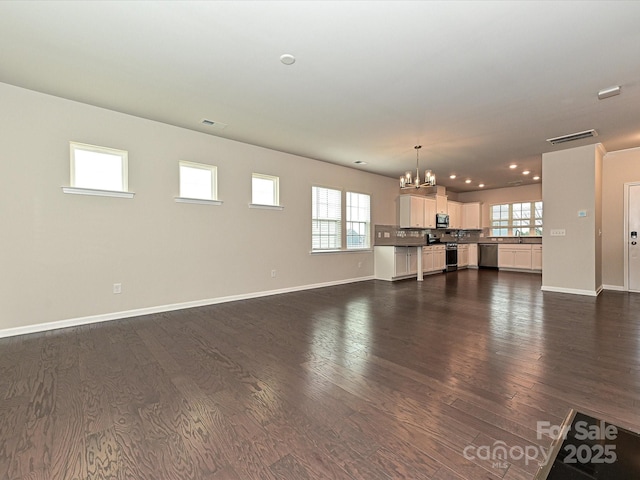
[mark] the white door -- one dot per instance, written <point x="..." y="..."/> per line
<point x="633" y="237"/>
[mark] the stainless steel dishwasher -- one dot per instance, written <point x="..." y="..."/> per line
<point x="487" y="255"/>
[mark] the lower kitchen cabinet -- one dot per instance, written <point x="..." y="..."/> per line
<point x="463" y="256"/>
<point x="473" y="255"/>
<point x="392" y="263"/>
<point x="427" y="259"/>
<point x="536" y="257"/>
<point x="433" y="259"/>
<point x="439" y="258"/>
<point x="519" y="257"/>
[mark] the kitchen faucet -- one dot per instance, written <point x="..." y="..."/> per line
<point x="519" y="236"/>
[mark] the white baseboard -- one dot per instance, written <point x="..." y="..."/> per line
<point x="618" y="288"/>
<point x="74" y="322"/>
<point x="574" y="291"/>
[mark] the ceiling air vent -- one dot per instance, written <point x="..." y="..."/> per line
<point x="211" y="123"/>
<point x="572" y="137"/>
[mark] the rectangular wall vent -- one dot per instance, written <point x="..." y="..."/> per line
<point x="573" y="136"/>
<point x="211" y="123"/>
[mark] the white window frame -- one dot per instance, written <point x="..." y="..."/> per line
<point x="342" y="223"/>
<point x="328" y="221"/>
<point x="275" y="204"/>
<point x="80" y="190"/>
<point x="510" y="223"/>
<point x="213" y="171"/>
<point x="349" y="222"/>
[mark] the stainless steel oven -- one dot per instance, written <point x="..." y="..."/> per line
<point x="452" y="256"/>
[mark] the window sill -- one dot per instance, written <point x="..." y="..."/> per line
<point x="266" y="207"/>
<point x="199" y="201"/>
<point x="351" y="250"/>
<point x="100" y="193"/>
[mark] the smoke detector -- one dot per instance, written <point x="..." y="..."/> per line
<point x="573" y="136"/>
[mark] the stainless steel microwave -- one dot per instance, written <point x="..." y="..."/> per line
<point x="442" y="220"/>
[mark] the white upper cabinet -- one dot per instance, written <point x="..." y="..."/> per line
<point x="472" y="216"/>
<point x="455" y="214"/>
<point x="430" y="212"/>
<point x="411" y="211"/>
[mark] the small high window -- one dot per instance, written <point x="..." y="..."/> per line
<point x="265" y="190"/>
<point x="98" y="171"/>
<point x="98" y="168"/>
<point x="198" y="181"/>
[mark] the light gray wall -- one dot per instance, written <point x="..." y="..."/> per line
<point x="569" y="184"/>
<point x="62" y="253"/>
<point x="618" y="168"/>
<point x="523" y="193"/>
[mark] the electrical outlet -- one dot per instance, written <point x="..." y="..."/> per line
<point x="359" y="264"/>
<point x="273" y="273"/>
<point x="117" y="288"/>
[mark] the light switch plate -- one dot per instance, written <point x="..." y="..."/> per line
<point x="557" y="232"/>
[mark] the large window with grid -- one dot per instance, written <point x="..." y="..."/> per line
<point x="358" y="220"/>
<point x="512" y="219"/>
<point x="340" y="218"/>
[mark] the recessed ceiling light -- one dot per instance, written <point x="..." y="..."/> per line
<point x="468" y="180"/>
<point x="536" y="177"/>
<point x="452" y="176"/>
<point x="287" y="59"/>
<point x="513" y="166"/>
<point x="526" y="172"/>
<point x="360" y="162"/>
<point x="481" y="185"/>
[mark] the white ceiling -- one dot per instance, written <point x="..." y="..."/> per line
<point x="479" y="84"/>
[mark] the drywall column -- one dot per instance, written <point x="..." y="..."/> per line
<point x="572" y="198"/>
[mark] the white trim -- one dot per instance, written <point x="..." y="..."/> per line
<point x="99" y="193"/>
<point x="74" y="322"/>
<point x="625" y="233"/>
<point x="574" y="291"/>
<point x="617" y="288"/>
<point x="266" y="207"/>
<point x="201" y="201"/>
<point x="351" y="250"/>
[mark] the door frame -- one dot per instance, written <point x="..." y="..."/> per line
<point x="627" y="187"/>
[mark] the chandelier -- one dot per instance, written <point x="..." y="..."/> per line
<point x="407" y="181"/>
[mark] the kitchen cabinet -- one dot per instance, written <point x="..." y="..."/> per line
<point x="391" y="263"/>
<point x="427" y="259"/>
<point x="439" y="257"/>
<point x="463" y="256"/>
<point x="515" y="257"/>
<point x="441" y="203"/>
<point x="455" y="214"/>
<point x="536" y="257"/>
<point x="417" y="212"/>
<point x="430" y="212"/>
<point x="472" y="216"/>
<point x="473" y="255"/>
<point x="412" y="211"/>
<point x="433" y="259"/>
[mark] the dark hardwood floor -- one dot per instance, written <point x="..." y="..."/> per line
<point x="372" y="380"/>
